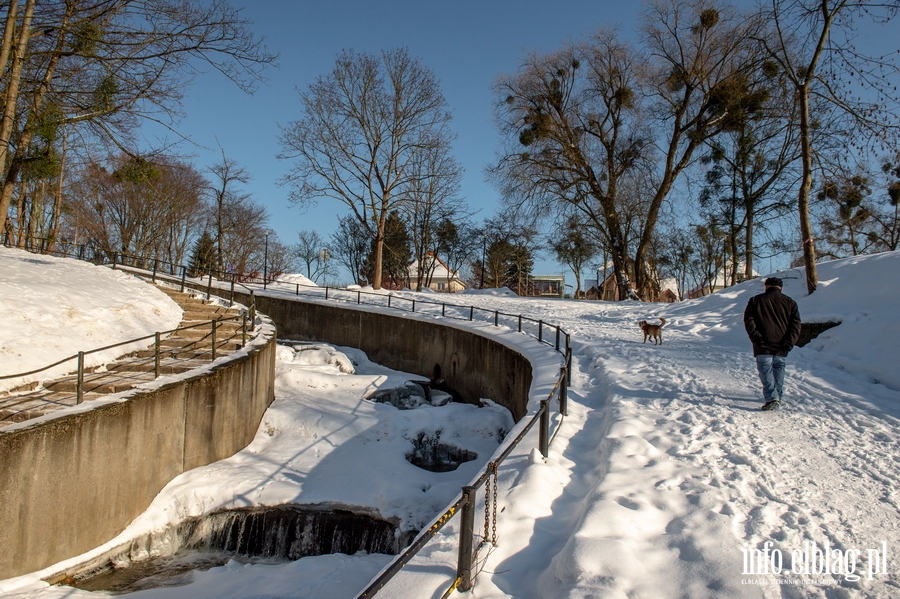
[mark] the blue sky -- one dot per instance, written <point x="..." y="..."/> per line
<point x="466" y="43"/>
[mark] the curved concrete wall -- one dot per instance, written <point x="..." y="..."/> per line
<point x="73" y="482"/>
<point x="473" y="365"/>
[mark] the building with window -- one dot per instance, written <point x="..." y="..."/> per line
<point x="438" y="276"/>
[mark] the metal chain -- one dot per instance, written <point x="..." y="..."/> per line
<point x="487" y="505"/>
<point x="493" y="467"/>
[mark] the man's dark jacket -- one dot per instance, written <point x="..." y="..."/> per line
<point x="772" y="321"/>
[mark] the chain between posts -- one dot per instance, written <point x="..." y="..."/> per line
<point x="490" y="505"/>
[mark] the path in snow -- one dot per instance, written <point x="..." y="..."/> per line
<point x="670" y="468"/>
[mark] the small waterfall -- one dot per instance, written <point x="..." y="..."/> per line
<point x="267" y="534"/>
<point x="289" y="532"/>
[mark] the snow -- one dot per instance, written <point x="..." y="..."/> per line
<point x="663" y="480"/>
<point x="294" y="279"/>
<point x="53" y="308"/>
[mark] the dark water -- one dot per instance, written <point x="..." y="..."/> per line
<point x="430" y="454"/>
<point x="253" y="535"/>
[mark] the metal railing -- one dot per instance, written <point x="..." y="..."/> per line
<point x="158" y="352"/>
<point x="465" y="504"/>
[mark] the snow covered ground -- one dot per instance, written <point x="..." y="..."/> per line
<point x="665" y="480"/>
<point x="52" y="308"/>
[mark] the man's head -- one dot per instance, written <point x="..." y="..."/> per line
<point x="774" y="282"/>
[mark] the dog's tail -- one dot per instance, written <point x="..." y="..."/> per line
<point x="662" y="321"/>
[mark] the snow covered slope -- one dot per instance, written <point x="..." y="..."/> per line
<point x="54" y="307"/>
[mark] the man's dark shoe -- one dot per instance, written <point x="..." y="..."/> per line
<point x="771" y="405"/>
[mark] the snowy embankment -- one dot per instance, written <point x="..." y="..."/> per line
<point x="53" y="308"/>
<point x="672" y="476"/>
<point x="664" y="480"/>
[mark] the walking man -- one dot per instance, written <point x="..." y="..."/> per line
<point x="772" y="320"/>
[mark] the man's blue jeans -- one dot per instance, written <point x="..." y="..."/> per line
<point x="771" y="373"/>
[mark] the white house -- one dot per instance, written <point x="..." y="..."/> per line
<point x="441" y="278"/>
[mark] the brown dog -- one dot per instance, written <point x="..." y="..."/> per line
<point x="654" y="331"/>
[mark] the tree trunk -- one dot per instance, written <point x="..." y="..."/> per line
<point x="12" y="92"/>
<point x="57" y="200"/>
<point x="27" y="133"/>
<point x="809" y="249"/>
<point x="379" y="259"/>
<point x="748" y="246"/>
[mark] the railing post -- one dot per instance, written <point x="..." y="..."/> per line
<point x="544" y="437"/>
<point x="213" y="324"/>
<point x="464" y="565"/>
<point x="297" y="292"/>
<point x="244" y="329"/>
<point x="389" y="300"/>
<point x="209" y="286"/>
<point x="183" y="274"/>
<point x="563" y="391"/>
<point x="414" y="305"/>
<point x="156" y="356"/>
<point x="79" y="382"/>
<point x="471" y="312"/>
<point x="231" y="297"/>
<point x="359" y="297"/>
<point x="443" y="309"/>
<point x="520" y="323"/>
<point x="326" y="292"/>
<point x="540" y="331"/>
<point x="496" y="317"/>
<point x="557" y="337"/>
<point x="569" y="358"/>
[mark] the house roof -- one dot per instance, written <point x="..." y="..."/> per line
<point x="441" y="270"/>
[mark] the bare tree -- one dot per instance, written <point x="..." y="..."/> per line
<point x="309" y="249"/>
<point x="350" y="244"/>
<point x="244" y="240"/>
<point x="365" y="127"/>
<point x="432" y="200"/>
<point x="102" y="66"/>
<point x="573" y="128"/>
<point x="814" y="44"/>
<point x="138" y="207"/>
<point x="227" y="174"/>
<point x="592" y="120"/>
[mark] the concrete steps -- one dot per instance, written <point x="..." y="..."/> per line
<point x="180" y="352"/>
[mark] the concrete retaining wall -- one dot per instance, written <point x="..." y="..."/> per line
<point x="473" y="365"/>
<point x="75" y="481"/>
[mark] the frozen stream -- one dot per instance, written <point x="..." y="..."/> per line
<point x="321" y="445"/>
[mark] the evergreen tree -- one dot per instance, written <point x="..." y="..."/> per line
<point x="203" y="257"/>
